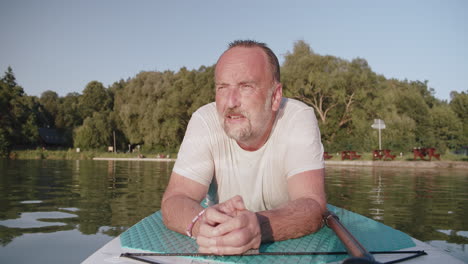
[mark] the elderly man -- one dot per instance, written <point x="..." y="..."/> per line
<point x="256" y="156"/>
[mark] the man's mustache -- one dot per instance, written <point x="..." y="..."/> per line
<point x="235" y="111"/>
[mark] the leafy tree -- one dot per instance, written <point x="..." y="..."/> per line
<point x="17" y="120"/>
<point x="5" y="121"/>
<point x="399" y="134"/>
<point x="138" y="105"/>
<point x="29" y="128"/>
<point x="5" y="144"/>
<point x="50" y="106"/>
<point x="448" y="128"/>
<point x="68" y="116"/>
<point x="68" y="112"/>
<point x="459" y="105"/>
<point x="332" y="86"/>
<point x="95" y="133"/>
<point x="95" y="98"/>
<point x="153" y="108"/>
<point x="411" y="102"/>
<point x="10" y="80"/>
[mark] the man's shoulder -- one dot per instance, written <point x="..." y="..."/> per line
<point x="289" y="105"/>
<point x="207" y="114"/>
<point x="206" y="109"/>
<point x="293" y="113"/>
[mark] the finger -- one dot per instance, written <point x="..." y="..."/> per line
<point x="206" y="230"/>
<point x="238" y="202"/>
<point x="237" y="238"/>
<point x="205" y="242"/>
<point x="234" y="239"/>
<point x="232" y="206"/>
<point x="230" y="226"/>
<point x="213" y="216"/>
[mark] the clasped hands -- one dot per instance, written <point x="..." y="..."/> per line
<point x="228" y="228"/>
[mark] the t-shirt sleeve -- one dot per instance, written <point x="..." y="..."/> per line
<point x="305" y="149"/>
<point x="194" y="159"/>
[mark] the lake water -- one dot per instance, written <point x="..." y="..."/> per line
<point x="63" y="211"/>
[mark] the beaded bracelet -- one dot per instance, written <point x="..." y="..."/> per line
<point x="188" y="231"/>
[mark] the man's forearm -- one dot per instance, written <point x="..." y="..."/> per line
<point x="297" y="218"/>
<point x="178" y="212"/>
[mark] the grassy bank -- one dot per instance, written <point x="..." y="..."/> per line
<point x="71" y="154"/>
<point x="405" y="157"/>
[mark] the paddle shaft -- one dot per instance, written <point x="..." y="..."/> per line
<point x="354" y="248"/>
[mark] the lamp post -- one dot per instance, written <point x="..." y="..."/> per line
<point x="379" y="124"/>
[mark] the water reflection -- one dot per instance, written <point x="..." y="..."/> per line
<point x="376" y="198"/>
<point x="430" y="205"/>
<point x="98" y="200"/>
<point x="93" y="201"/>
<point x="37" y="219"/>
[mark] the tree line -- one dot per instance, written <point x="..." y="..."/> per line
<point x="153" y="108"/>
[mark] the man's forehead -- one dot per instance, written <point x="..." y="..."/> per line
<point x="242" y="60"/>
<point x="243" y="53"/>
<point x="241" y="82"/>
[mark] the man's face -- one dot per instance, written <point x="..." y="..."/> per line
<point x="244" y="89"/>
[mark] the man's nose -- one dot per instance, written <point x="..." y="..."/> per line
<point x="234" y="97"/>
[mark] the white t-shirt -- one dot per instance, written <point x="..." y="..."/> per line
<point x="260" y="176"/>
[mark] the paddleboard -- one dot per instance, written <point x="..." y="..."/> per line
<point x="151" y="236"/>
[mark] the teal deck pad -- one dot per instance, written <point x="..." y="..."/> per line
<point x="151" y="235"/>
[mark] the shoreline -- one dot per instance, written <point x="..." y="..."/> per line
<point x="357" y="163"/>
<point x="402" y="164"/>
<point x="137" y="159"/>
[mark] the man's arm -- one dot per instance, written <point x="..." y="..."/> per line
<point x="181" y="203"/>
<point x="302" y="215"/>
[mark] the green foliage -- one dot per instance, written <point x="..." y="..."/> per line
<point x="95" y="133"/>
<point x="348" y="95"/>
<point x="153" y="108"/>
<point x="459" y="105"/>
<point x="10" y="80"/>
<point x="399" y="134"/>
<point x="49" y="101"/>
<point x="5" y="144"/>
<point x="447" y="127"/>
<point x="95" y="98"/>
<point x="17" y="118"/>
<point x="337" y="89"/>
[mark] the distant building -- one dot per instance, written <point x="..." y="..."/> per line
<point x="51" y="137"/>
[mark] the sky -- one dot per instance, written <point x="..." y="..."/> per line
<point x="62" y="45"/>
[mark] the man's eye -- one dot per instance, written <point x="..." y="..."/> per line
<point x="247" y="88"/>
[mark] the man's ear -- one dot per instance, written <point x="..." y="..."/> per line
<point x="276" y="97"/>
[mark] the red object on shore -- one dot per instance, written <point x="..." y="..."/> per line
<point x="349" y="154"/>
<point x="377" y="154"/>
<point x="327" y="156"/>
<point x="387" y="154"/>
<point x="423" y="152"/>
